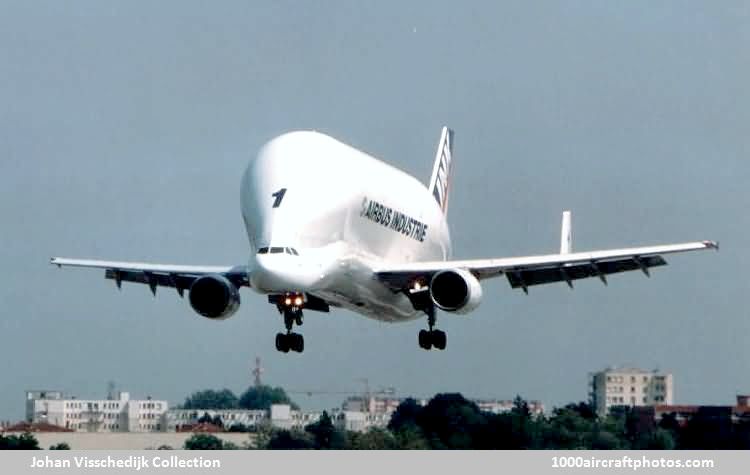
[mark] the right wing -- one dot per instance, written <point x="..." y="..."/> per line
<point x="523" y="272"/>
<point x="165" y="275"/>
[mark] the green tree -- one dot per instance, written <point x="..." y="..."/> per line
<point x="567" y="429"/>
<point x="373" y="439"/>
<point x="742" y="435"/>
<point x="239" y="427"/>
<point x="263" y="436"/>
<point x="203" y="442"/>
<point x="605" y="440"/>
<point x="660" y="439"/>
<point x="708" y="429"/>
<point x="25" y="441"/>
<point x="405" y="415"/>
<point x="60" y="446"/>
<point x="410" y="437"/>
<point x="211" y="399"/>
<point x="584" y="410"/>
<point x="670" y="423"/>
<point x="205" y="418"/>
<point x="216" y="420"/>
<point x="450" y="421"/>
<point x="286" y="440"/>
<point x="262" y="397"/>
<point x="325" y="435"/>
<point x="525" y="429"/>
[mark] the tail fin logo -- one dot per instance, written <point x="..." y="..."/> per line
<point x="439" y="183"/>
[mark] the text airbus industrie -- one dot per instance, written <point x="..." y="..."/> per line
<point x="132" y="462"/>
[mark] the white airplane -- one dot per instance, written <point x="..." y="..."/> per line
<point x="330" y="226"/>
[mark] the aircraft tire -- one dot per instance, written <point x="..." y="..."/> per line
<point x="282" y="343"/>
<point x="425" y="342"/>
<point x="297" y="342"/>
<point x="439" y="339"/>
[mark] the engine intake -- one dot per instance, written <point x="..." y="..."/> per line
<point x="455" y="290"/>
<point x="214" y="297"/>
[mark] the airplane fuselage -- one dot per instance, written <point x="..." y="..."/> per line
<point x="320" y="215"/>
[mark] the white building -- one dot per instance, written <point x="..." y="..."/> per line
<point x="280" y="416"/>
<point x="184" y="419"/>
<point x="96" y="415"/>
<point x="371" y="404"/>
<point x="629" y="387"/>
<point x="359" y="421"/>
<point x="500" y="406"/>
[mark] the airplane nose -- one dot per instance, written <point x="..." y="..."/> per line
<point x="284" y="273"/>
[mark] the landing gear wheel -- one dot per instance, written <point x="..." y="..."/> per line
<point x="432" y="338"/>
<point x="282" y="343"/>
<point x="439" y="339"/>
<point x="425" y="342"/>
<point x="291" y="341"/>
<point x="296" y="342"/>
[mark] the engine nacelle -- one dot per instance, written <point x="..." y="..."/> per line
<point x="455" y="290"/>
<point x="214" y="297"/>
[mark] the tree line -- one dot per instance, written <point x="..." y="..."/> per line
<point x="255" y="397"/>
<point x="450" y="421"/>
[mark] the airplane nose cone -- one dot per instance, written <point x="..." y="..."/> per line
<point x="283" y="273"/>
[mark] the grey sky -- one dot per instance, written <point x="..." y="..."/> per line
<point x="125" y="127"/>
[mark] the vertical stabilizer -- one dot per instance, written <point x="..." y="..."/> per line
<point x="441" y="171"/>
<point x="566" y="236"/>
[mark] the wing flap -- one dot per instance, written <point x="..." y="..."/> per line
<point x="571" y="272"/>
<point x="152" y="279"/>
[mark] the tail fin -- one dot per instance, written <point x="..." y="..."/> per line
<point x="441" y="171"/>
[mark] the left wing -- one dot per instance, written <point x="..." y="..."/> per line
<point x="165" y="275"/>
<point x="526" y="271"/>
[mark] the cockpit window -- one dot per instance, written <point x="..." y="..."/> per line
<point x="278" y="250"/>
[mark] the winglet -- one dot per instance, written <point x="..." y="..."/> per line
<point x="566" y="235"/>
<point x="711" y="244"/>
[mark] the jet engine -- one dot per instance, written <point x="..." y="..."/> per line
<point x="455" y="290"/>
<point x="214" y="297"/>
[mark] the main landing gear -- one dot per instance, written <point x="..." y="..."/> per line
<point x="290" y="305"/>
<point x="432" y="338"/>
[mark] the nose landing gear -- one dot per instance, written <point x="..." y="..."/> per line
<point x="290" y="305"/>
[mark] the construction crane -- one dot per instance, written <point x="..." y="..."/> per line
<point x="366" y="394"/>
